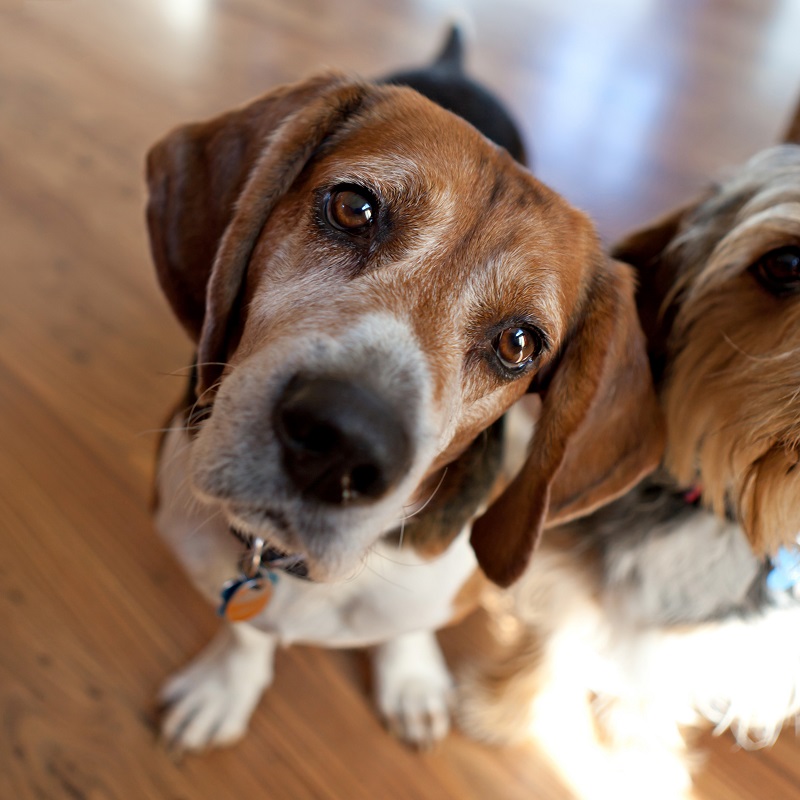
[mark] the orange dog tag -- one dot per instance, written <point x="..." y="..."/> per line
<point x="244" y="597"/>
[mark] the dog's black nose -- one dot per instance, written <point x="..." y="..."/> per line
<point x="341" y="442"/>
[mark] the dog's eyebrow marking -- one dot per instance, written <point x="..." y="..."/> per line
<point x="499" y="187"/>
<point x="536" y="298"/>
<point x="530" y="196"/>
<point x="389" y="176"/>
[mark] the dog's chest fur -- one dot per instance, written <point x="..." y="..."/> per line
<point x="669" y="611"/>
<point x="394" y="592"/>
<point x="666" y="561"/>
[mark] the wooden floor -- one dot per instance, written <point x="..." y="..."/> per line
<point x="628" y="105"/>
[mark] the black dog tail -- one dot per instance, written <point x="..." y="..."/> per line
<point x="451" y="56"/>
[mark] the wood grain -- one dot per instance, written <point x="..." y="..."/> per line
<point x="628" y="106"/>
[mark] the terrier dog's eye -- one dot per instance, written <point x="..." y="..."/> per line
<point x="515" y="347"/>
<point x="350" y="208"/>
<point x="779" y="271"/>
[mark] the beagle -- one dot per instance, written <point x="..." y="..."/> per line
<point x="678" y="605"/>
<point x="371" y="284"/>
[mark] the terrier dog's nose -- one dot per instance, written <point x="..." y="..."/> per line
<point x="341" y="442"/>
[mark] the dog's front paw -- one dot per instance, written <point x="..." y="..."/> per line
<point x="210" y="701"/>
<point x="413" y="688"/>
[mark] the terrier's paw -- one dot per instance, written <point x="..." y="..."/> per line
<point x="492" y="706"/>
<point x="414" y="689"/>
<point x="210" y="701"/>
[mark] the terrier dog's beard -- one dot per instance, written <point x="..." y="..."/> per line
<point x="732" y="392"/>
<point x="734" y="430"/>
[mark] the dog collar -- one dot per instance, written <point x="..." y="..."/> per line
<point x="260" y="555"/>
<point x="693" y="496"/>
<point x="785" y="573"/>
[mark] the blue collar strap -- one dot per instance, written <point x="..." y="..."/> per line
<point x="785" y="572"/>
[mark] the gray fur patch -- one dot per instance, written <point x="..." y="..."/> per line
<point x="668" y="562"/>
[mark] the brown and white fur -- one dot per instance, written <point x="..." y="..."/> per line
<point x="387" y="335"/>
<point x="655" y="613"/>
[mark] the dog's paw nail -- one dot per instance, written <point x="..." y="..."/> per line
<point x="209" y="703"/>
<point x="417" y="711"/>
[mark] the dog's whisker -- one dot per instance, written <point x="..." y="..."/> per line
<point x="193" y="503"/>
<point x="406" y="517"/>
<point x="402" y="532"/>
<point x="384" y="578"/>
<point x="362" y="565"/>
<point x="224" y="364"/>
<point x="428" y="501"/>
<point x="172" y="429"/>
<point x="186" y="370"/>
<point x="207" y="521"/>
<point x="180" y="450"/>
<point x="762" y="358"/>
<point x="209" y="390"/>
<point x="384" y="557"/>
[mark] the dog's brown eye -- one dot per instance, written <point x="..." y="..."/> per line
<point x="779" y="271"/>
<point x="515" y="347"/>
<point x="350" y="209"/>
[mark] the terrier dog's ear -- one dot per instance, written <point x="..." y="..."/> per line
<point x="212" y="186"/>
<point x="643" y="248"/>
<point x="655" y="278"/>
<point x="792" y="135"/>
<point x="599" y="432"/>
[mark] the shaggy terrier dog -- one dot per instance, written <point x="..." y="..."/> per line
<point x="677" y="605"/>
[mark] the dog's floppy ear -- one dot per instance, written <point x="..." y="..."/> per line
<point x="655" y="278"/>
<point x="599" y="432"/>
<point x="212" y="186"/>
<point x="643" y="247"/>
<point x="792" y="135"/>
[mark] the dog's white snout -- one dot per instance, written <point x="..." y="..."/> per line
<point x="341" y="442"/>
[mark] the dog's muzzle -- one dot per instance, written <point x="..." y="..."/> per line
<point x="341" y="442"/>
